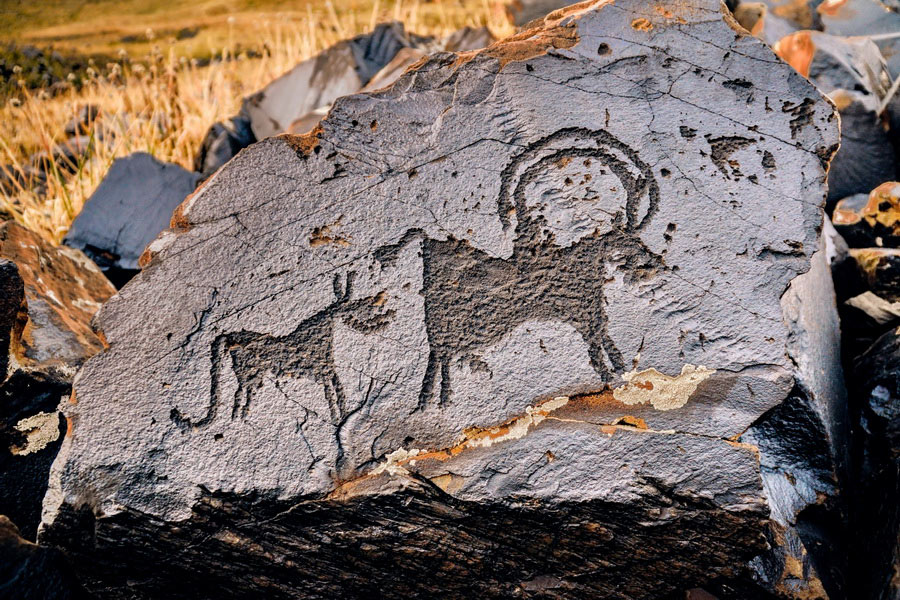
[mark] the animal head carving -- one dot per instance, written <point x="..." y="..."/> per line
<point x="577" y="183"/>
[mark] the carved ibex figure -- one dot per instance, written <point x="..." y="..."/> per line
<point x="306" y="352"/>
<point x="473" y="299"/>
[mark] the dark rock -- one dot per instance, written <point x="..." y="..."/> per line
<point x="30" y="572"/>
<point x="129" y="208"/>
<point x="47" y="298"/>
<point x="848" y="220"/>
<point x="866" y="157"/>
<point x="297" y="101"/>
<point x="847" y="280"/>
<point x="872" y="220"/>
<point x="880" y="267"/>
<point x="865" y="318"/>
<point x="469" y="328"/>
<point x="83" y="120"/>
<point x="222" y="142"/>
<point x="875" y="556"/>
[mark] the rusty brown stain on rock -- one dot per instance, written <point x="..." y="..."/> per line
<point x="642" y="24"/>
<point x="304" y="144"/>
<point x="326" y="234"/>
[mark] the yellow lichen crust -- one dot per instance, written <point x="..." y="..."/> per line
<point x="663" y="392"/>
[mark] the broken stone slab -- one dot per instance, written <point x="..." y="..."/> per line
<point x="870" y="18"/>
<point x="30" y="572"/>
<point x="522" y="12"/>
<point x="47" y="298"/>
<point x="875" y="518"/>
<point x="129" y="208"/>
<point x="459" y="331"/>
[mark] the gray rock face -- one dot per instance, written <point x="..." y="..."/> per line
<point x="460" y="331"/>
<point x="130" y="207"/>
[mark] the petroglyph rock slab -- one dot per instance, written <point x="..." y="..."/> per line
<point x="456" y="321"/>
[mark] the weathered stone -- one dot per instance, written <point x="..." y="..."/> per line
<point x="526" y="321"/>
<point x="875" y="555"/>
<point x="47" y="298"/>
<point x="847" y="280"/>
<point x="30" y="572"/>
<point x="870" y="18"/>
<point x="848" y="221"/>
<point x="221" y="143"/>
<point x="853" y="73"/>
<point x="129" y="208"/>
<point x="866" y="158"/>
<point x="880" y="267"/>
<point x="298" y="100"/>
<point x="865" y="318"/>
<point x="871" y="220"/>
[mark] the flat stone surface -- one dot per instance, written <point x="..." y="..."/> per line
<point x="457" y="293"/>
<point x="129" y="208"/>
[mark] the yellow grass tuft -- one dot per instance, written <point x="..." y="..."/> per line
<point x="163" y="103"/>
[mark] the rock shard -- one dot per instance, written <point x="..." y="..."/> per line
<point x="394" y="345"/>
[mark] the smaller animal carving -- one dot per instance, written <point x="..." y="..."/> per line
<point x="306" y="352"/>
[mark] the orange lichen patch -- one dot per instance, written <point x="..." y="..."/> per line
<point x="831" y="8"/>
<point x="797" y="50"/>
<point x="631" y="421"/>
<point x="326" y="234"/>
<point x="845" y="216"/>
<point x="563" y="162"/>
<point x="72" y="399"/>
<point x="883" y="207"/>
<point x="608" y="429"/>
<point x="306" y="143"/>
<point x="642" y="24"/>
<point x="70" y="426"/>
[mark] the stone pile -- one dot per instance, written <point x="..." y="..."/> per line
<point x="458" y="342"/>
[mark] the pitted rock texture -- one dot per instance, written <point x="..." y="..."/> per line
<point x="47" y="299"/>
<point x="446" y="290"/>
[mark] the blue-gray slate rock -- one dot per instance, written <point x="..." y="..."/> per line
<point x="129" y="208"/>
<point x="547" y="320"/>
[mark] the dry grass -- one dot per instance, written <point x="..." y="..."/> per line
<point x="165" y="103"/>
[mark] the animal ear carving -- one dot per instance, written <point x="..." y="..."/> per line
<point x="580" y="165"/>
